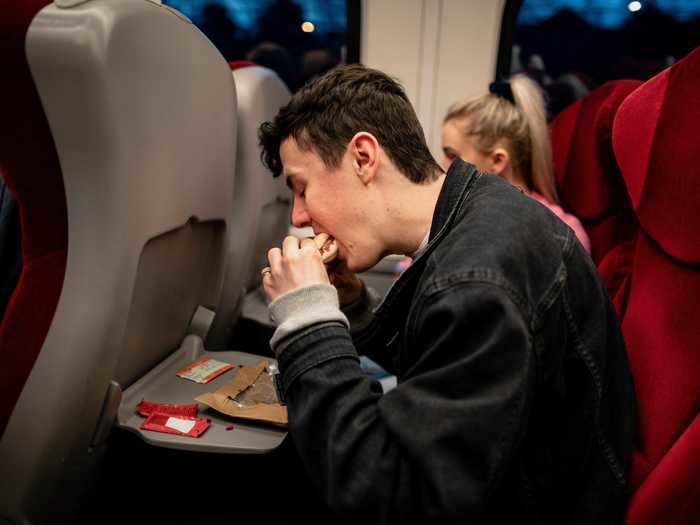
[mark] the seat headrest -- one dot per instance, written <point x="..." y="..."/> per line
<point x="240" y="64"/>
<point x="261" y="205"/>
<point x="584" y="162"/>
<point x="657" y="146"/>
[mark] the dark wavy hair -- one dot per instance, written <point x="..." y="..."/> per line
<point x="327" y="112"/>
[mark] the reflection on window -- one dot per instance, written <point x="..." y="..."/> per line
<point x="609" y="14"/>
<point x="572" y="46"/>
<point x="298" y="39"/>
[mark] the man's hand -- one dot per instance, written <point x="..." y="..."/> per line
<point x="297" y="265"/>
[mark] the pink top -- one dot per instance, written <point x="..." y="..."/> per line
<point x="569" y="219"/>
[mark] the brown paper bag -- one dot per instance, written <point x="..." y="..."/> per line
<point x="250" y="394"/>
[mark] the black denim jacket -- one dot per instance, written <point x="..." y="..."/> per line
<point x="514" y="401"/>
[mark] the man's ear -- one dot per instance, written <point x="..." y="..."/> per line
<point x="500" y="160"/>
<point x="364" y="153"/>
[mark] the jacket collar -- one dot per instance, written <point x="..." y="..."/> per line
<point x="459" y="180"/>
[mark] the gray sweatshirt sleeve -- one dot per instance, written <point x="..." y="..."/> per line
<point x="296" y="310"/>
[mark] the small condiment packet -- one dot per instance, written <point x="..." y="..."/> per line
<point x="204" y="370"/>
<point x="180" y="425"/>
<point x="146" y="408"/>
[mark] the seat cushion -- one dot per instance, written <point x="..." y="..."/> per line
<point x="662" y="331"/>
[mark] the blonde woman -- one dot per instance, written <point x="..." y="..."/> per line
<point x="505" y="132"/>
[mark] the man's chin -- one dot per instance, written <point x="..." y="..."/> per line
<point x="350" y="265"/>
<point x="359" y="266"/>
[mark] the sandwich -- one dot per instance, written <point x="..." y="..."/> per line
<point x="327" y="246"/>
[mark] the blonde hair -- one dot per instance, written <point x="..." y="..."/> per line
<point x="522" y="126"/>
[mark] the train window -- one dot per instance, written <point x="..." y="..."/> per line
<point x="299" y="39"/>
<point x="572" y="46"/>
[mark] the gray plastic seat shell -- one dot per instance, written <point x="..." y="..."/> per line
<point x="262" y="204"/>
<point x="142" y="110"/>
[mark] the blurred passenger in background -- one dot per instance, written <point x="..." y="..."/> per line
<point x="505" y="132"/>
<point x="315" y="63"/>
<point x="222" y="30"/>
<point x="278" y="59"/>
<point x="280" y="22"/>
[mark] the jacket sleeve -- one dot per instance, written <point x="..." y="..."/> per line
<point x="435" y="447"/>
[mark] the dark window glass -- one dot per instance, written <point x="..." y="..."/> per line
<point x="298" y="39"/>
<point x="572" y="46"/>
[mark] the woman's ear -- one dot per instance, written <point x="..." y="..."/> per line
<point x="364" y="151"/>
<point x="501" y="165"/>
<point x="500" y="161"/>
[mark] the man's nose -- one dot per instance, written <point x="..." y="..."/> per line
<point x="300" y="217"/>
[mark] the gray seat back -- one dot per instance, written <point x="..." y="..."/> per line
<point x="142" y="110"/>
<point x="262" y="204"/>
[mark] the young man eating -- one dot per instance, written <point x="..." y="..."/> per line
<point x="514" y="400"/>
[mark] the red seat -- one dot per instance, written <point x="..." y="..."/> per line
<point x="588" y="178"/>
<point x="29" y="165"/>
<point x="657" y="147"/>
<point x="240" y="64"/>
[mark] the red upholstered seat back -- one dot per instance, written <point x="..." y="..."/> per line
<point x="588" y="178"/>
<point x="657" y="146"/>
<point x="240" y="64"/>
<point x="29" y="165"/>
